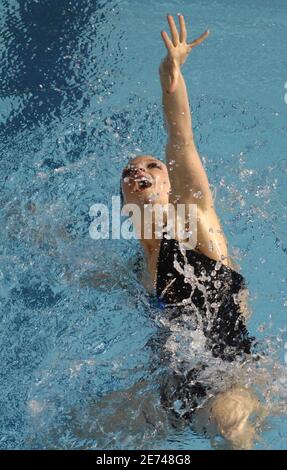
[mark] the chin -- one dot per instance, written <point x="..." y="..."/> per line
<point x="152" y="198"/>
<point x="155" y="199"/>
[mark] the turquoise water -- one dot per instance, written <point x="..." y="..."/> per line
<point x="80" y="94"/>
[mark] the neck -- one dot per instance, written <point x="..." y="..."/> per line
<point x="151" y="243"/>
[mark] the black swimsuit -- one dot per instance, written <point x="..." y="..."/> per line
<point x="190" y="282"/>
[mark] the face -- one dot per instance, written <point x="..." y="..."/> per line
<point x="145" y="180"/>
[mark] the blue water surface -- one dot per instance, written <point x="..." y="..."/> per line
<point x="80" y="94"/>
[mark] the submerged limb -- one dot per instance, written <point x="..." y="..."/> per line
<point x="132" y="415"/>
<point x="234" y="414"/>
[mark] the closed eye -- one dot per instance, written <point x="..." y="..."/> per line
<point x="154" y="165"/>
<point x="126" y="172"/>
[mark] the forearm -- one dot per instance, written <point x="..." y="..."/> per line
<point x="176" y="108"/>
<point x="181" y="149"/>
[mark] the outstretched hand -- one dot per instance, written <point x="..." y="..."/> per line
<point x="178" y="49"/>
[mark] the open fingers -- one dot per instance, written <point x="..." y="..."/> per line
<point x="167" y="41"/>
<point x="173" y="30"/>
<point x="199" y="40"/>
<point x="182" y="36"/>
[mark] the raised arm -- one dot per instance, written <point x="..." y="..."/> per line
<point x="187" y="174"/>
<point x="189" y="182"/>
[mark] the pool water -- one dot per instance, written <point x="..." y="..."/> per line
<point x="80" y="95"/>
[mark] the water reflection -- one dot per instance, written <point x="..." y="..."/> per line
<point x="43" y="57"/>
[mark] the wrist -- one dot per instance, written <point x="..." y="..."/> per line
<point x="166" y="65"/>
<point x="163" y="69"/>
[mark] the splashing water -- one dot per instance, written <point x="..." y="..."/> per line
<point x="197" y="377"/>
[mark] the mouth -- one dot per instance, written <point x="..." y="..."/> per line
<point x="143" y="183"/>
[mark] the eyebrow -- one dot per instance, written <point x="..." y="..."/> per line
<point x="154" y="160"/>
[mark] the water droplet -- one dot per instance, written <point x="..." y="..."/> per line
<point x="218" y="265"/>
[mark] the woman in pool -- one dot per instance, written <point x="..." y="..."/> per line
<point x="213" y="290"/>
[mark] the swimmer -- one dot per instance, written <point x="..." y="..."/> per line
<point x="215" y="289"/>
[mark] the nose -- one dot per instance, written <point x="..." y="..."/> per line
<point x="141" y="170"/>
<point x="138" y="170"/>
